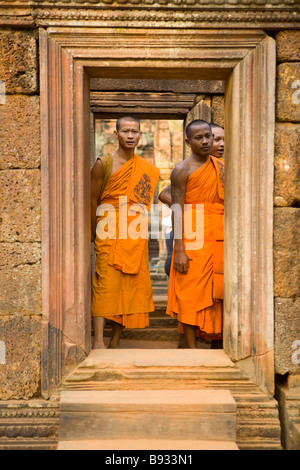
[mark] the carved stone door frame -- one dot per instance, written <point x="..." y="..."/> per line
<point x="246" y="60"/>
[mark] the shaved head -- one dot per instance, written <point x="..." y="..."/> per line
<point x="127" y="118"/>
<point x="213" y="125"/>
<point x="197" y="122"/>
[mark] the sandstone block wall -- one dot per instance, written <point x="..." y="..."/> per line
<point x="20" y="217"/>
<point x="287" y="202"/>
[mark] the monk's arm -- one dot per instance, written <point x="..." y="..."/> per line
<point x="165" y="196"/>
<point x="179" y="179"/>
<point x="96" y="183"/>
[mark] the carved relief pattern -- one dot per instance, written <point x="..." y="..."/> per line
<point x="192" y="17"/>
<point x="207" y="13"/>
<point x="28" y="427"/>
<point x="242" y="18"/>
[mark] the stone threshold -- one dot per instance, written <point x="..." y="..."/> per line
<point x="146" y="444"/>
<point x="124" y="358"/>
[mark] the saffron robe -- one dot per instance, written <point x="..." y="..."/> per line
<point x="196" y="298"/>
<point x="122" y="289"/>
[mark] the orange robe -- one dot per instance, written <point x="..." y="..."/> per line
<point x="122" y="289"/>
<point x="195" y="298"/>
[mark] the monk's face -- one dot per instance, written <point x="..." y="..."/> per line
<point x="218" y="145"/>
<point x="200" y="140"/>
<point x="128" y="134"/>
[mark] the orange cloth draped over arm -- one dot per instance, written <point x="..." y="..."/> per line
<point x="122" y="288"/>
<point x="196" y="298"/>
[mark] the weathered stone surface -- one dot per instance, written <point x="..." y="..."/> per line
<point x="286" y="252"/>
<point x="287" y="165"/>
<point x="19" y="63"/>
<point x="20" y="375"/>
<point x="20" y="218"/>
<point x="286" y="272"/>
<point x="13" y="255"/>
<point x="287" y="330"/>
<point x="217" y="109"/>
<point x="20" y="132"/>
<point x="20" y="271"/>
<point x="286" y="227"/>
<point x="288" y="92"/>
<point x="288" y="46"/>
<point x="21" y="290"/>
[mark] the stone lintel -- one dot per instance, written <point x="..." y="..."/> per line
<point x="120" y="13"/>
<point x="158" y="86"/>
<point x="16" y="14"/>
<point x="210" y="15"/>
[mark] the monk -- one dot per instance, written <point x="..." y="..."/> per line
<point x="218" y="144"/>
<point x="216" y="151"/>
<point x="122" y="290"/>
<point x="196" y="277"/>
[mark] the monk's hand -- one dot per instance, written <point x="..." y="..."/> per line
<point x="181" y="261"/>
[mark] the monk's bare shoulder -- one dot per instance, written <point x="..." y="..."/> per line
<point x="181" y="172"/>
<point x="179" y="178"/>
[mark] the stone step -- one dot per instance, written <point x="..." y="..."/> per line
<point x="160" y="301"/>
<point x="185" y="360"/>
<point x="154" y="368"/>
<point x="159" y="312"/>
<point x="147" y="444"/>
<point x="163" y="322"/>
<point x="258" y="425"/>
<point x="160" y="290"/>
<point x="160" y="321"/>
<point x="148" y="414"/>
<point x="159" y="276"/>
<point x="154" y="334"/>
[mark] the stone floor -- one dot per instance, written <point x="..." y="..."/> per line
<point x="148" y="344"/>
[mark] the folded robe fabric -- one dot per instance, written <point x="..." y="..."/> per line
<point x="127" y="252"/>
<point x="122" y="288"/>
<point x="196" y="298"/>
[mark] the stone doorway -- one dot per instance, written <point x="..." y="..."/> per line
<point x="246" y="61"/>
